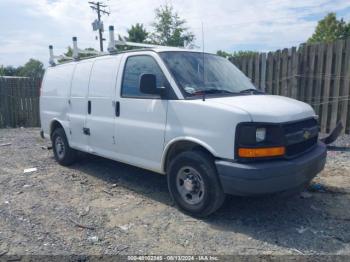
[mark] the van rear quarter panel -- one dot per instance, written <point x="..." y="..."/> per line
<point x="54" y="96"/>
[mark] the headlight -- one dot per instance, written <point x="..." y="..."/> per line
<point x="260" y="134"/>
<point x="254" y="140"/>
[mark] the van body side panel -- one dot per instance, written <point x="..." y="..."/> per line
<point x="197" y="120"/>
<point x="101" y="120"/>
<point x="54" y="96"/>
<point x="140" y="127"/>
<point x="78" y="105"/>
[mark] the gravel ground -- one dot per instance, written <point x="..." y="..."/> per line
<point x="128" y="210"/>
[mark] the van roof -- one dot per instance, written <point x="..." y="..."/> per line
<point x="154" y="49"/>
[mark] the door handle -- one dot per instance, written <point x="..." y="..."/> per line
<point x="117" y="108"/>
<point x="86" y="131"/>
<point x="89" y="107"/>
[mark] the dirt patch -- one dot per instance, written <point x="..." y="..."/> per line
<point x="131" y="212"/>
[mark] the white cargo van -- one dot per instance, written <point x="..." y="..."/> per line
<point x="190" y="115"/>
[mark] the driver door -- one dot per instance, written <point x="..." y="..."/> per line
<point x="141" y="119"/>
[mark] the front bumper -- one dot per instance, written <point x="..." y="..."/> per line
<point x="272" y="176"/>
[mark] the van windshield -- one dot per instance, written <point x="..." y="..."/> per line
<point x="198" y="73"/>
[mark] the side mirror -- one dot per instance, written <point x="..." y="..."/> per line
<point x="148" y="84"/>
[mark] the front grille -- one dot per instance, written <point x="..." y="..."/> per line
<point x="298" y="148"/>
<point x="300" y="136"/>
<point x="299" y="125"/>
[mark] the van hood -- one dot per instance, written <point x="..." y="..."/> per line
<point x="268" y="108"/>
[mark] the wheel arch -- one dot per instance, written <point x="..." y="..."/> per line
<point x="55" y="123"/>
<point x="181" y="144"/>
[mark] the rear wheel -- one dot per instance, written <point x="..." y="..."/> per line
<point x="64" y="155"/>
<point x="194" y="185"/>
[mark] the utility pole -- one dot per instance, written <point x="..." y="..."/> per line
<point x="97" y="6"/>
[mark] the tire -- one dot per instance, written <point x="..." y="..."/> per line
<point x="194" y="185"/>
<point x="64" y="155"/>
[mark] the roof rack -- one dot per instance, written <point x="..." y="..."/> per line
<point x="112" y="48"/>
<point x="75" y="54"/>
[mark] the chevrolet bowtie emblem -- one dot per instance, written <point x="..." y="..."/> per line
<point x="306" y="135"/>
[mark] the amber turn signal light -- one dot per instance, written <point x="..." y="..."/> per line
<point x="261" y="152"/>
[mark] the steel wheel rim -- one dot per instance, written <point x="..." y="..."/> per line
<point x="190" y="185"/>
<point x="60" y="148"/>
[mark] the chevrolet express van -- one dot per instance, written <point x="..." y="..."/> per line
<point x="191" y="116"/>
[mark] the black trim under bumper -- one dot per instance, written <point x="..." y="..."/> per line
<point x="272" y="176"/>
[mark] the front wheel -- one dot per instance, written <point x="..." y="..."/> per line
<point x="194" y="185"/>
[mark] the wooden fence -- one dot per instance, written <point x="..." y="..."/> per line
<point x="316" y="74"/>
<point x="19" y="102"/>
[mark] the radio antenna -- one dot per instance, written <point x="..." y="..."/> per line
<point x="203" y="61"/>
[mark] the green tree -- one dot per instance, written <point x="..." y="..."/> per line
<point x="69" y="53"/>
<point x="33" y="68"/>
<point x="124" y="47"/>
<point x="236" y="54"/>
<point x="169" y="28"/>
<point x="330" y="29"/>
<point x="8" y="71"/>
<point x="2" y="70"/>
<point x="223" y="54"/>
<point x="137" y="33"/>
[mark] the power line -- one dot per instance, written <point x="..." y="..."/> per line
<point x="99" y="8"/>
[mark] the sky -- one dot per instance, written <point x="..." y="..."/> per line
<point x="27" y="27"/>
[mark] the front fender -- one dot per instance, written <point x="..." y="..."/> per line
<point x="183" y="139"/>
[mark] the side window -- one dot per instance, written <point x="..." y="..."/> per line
<point x="136" y="66"/>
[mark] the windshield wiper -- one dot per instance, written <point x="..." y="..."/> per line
<point x="251" y="90"/>
<point x="213" y="91"/>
